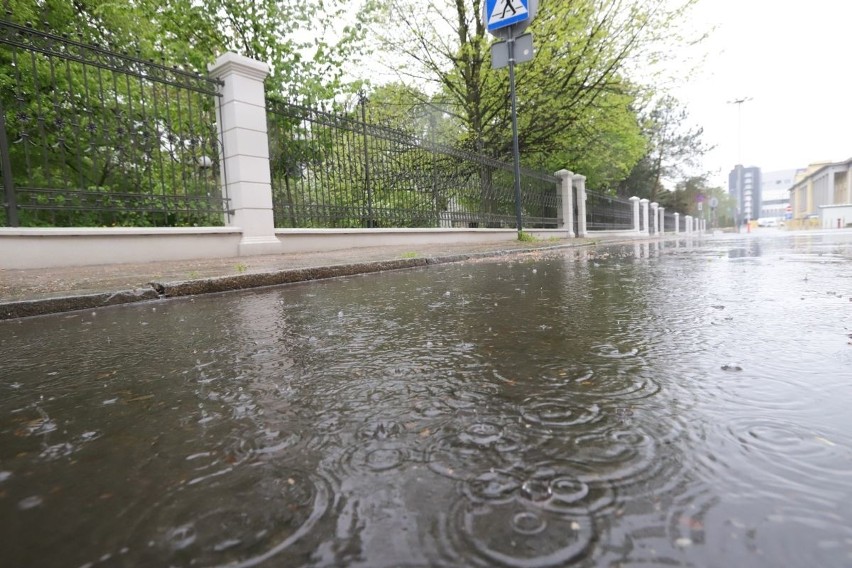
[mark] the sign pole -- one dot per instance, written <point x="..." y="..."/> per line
<point x="515" y="146"/>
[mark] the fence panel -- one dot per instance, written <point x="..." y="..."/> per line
<point x="608" y="212"/>
<point x="334" y="169"/>
<point x="92" y="137"/>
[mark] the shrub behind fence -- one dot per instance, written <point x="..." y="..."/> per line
<point x="91" y="137"/>
<point x="608" y="212"/>
<point x="335" y="169"/>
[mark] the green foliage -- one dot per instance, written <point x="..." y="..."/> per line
<point x="94" y="139"/>
<point x="526" y="237"/>
<point x="674" y="147"/>
<point x="685" y="196"/>
<point x="307" y="44"/>
<point x="576" y="104"/>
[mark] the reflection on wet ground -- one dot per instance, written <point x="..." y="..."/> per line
<point x="668" y="403"/>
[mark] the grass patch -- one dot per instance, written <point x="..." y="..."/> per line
<point x="409" y="255"/>
<point x="526" y="237"/>
<point x="241" y="268"/>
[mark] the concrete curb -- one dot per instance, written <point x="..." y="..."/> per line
<point x="29" y="308"/>
<point x="260" y="279"/>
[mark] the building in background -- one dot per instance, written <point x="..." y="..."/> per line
<point x="744" y="186"/>
<point x="822" y="195"/>
<point x="775" y="192"/>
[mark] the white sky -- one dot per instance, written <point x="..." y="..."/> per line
<point x="795" y="60"/>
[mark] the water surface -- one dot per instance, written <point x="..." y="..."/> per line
<point x="677" y="403"/>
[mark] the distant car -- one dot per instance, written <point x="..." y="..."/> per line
<point x="767" y="222"/>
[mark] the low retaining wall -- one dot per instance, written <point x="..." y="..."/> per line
<point x="55" y="247"/>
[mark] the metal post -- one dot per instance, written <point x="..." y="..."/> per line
<point x="8" y="183"/>
<point x="515" y="147"/>
<point x="435" y="200"/>
<point x="363" y="102"/>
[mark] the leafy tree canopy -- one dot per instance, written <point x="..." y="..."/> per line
<point x="307" y="44"/>
<point x="577" y="102"/>
<point x="673" y="150"/>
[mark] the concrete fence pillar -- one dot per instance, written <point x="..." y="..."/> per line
<point x="580" y="184"/>
<point x="654" y="209"/>
<point x="245" y="150"/>
<point x="688" y="224"/>
<point x="644" y="203"/>
<point x="636" y="226"/>
<point x="677" y="223"/>
<point x="662" y="211"/>
<point x="566" y="192"/>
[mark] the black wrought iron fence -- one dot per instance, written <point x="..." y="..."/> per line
<point x="332" y="168"/>
<point x="608" y="212"/>
<point x="92" y="137"/>
<point x="669" y="222"/>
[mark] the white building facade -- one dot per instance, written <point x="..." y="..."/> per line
<point x="775" y="192"/>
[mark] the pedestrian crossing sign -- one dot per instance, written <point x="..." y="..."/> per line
<point x="503" y="13"/>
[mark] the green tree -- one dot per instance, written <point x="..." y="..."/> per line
<point x="575" y="100"/>
<point x="674" y="148"/>
<point x="95" y="137"/>
<point x="308" y="44"/>
<point x="689" y="192"/>
<point x="91" y="138"/>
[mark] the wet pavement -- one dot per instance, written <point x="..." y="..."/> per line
<point x="51" y="290"/>
<point x="658" y="403"/>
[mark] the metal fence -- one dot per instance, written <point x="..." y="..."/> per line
<point x="608" y="212"/>
<point x="92" y="137"/>
<point x="333" y="168"/>
<point x="669" y="223"/>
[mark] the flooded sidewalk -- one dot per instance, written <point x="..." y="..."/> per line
<point x="52" y="290"/>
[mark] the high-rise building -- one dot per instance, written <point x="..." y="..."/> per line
<point x="744" y="186"/>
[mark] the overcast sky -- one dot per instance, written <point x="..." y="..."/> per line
<point x="795" y="61"/>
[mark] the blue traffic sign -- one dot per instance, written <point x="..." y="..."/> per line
<point x="503" y="13"/>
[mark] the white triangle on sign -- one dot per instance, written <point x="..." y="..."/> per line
<point x="505" y="9"/>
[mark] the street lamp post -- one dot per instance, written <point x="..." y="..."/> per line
<point x="742" y="195"/>
<point x="739" y="102"/>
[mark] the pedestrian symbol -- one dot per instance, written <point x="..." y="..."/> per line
<point x="503" y="13"/>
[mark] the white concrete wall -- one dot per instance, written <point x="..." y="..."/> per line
<point x="318" y="240"/>
<point x="831" y="214"/>
<point x="56" y="247"/>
